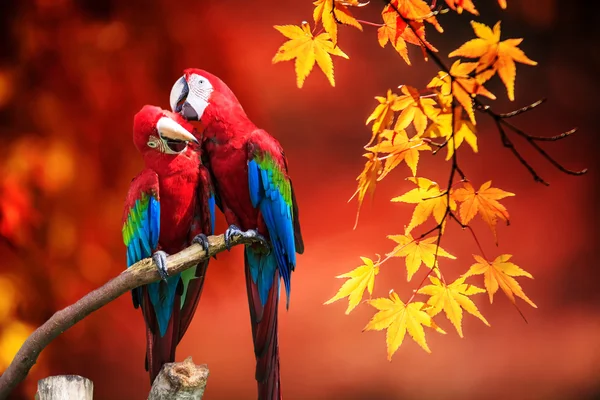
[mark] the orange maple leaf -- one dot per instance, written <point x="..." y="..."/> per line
<point x="324" y="11"/>
<point x="367" y="180"/>
<point x="415" y="109"/>
<point x="417" y="10"/>
<point x="502" y="4"/>
<point x="395" y="29"/>
<point x="499" y="273"/>
<point x="463" y="87"/>
<point x="460" y="5"/>
<point x="399" y="148"/>
<point x="307" y="49"/>
<point x="482" y="201"/>
<point x="494" y="54"/>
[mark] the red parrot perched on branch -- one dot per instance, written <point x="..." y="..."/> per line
<point x="254" y="191"/>
<point x="170" y="205"/>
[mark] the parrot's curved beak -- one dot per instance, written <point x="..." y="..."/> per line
<point x="178" y="100"/>
<point x="169" y="129"/>
<point x="179" y="93"/>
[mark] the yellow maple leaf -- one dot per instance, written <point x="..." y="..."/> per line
<point x="324" y="11"/>
<point x="399" y="318"/>
<point x="463" y="87"/>
<point x="483" y="201"/>
<point x="460" y="5"/>
<point x="494" y="54"/>
<point x="452" y="298"/>
<point x="417" y="252"/>
<point x="367" y="180"/>
<point x="499" y="273"/>
<point x="399" y="148"/>
<point x="307" y="49"/>
<point x="383" y="114"/>
<point x="415" y="109"/>
<point x="361" y="278"/>
<point x="464" y="130"/>
<point x="430" y="200"/>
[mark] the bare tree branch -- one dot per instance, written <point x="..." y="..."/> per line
<point x="141" y="273"/>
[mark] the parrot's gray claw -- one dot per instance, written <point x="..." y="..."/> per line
<point x="202" y="240"/>
<point x="250" y="233"/>
<point x="160" y="260"/>
<point x="231" y="231"/>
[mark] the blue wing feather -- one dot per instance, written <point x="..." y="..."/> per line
<point x="211" y="207"/>
<point x="141" y="234"/>
<point x="277" y="215"/>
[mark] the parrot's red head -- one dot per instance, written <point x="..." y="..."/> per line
<point x="198" y="94"/>
<point x="157" y="131"/>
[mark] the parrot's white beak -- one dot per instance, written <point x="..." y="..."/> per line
<point x="190" y="96"/>
<point x="169" y="129"/>
<point x="179" y="93"/>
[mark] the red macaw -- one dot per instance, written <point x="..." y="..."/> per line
<point x="170" y="205"/>
<point x="254" y="191"/>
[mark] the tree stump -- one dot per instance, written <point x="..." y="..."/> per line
<point x="180" y="381"/>
<point x="65" y="387"/>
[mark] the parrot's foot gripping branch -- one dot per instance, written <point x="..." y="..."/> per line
<point x="250" y="233"/>
<point x="160" y="259"/>
<point x="202" y="240"/>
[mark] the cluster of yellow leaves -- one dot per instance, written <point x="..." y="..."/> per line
<point x="398" y="317"/>
<point x="403" y="125"/>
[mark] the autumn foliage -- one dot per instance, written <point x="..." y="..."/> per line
<point x="409" y="124"/>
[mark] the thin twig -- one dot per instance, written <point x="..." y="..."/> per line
<point x="522" y="109"/>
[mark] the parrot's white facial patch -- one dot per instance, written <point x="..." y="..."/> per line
<point x="200" y="90"/>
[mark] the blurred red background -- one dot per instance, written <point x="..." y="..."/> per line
<point x="74" y="72"/>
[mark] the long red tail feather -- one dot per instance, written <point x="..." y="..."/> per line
<point x="159" y="350"/>
<point x="264" y="334"/>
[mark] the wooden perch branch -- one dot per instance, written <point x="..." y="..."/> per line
<point x="141" y="273"/>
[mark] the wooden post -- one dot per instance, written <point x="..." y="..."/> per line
<point x="180" y="381"/>
<point x="65" y="387"/>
